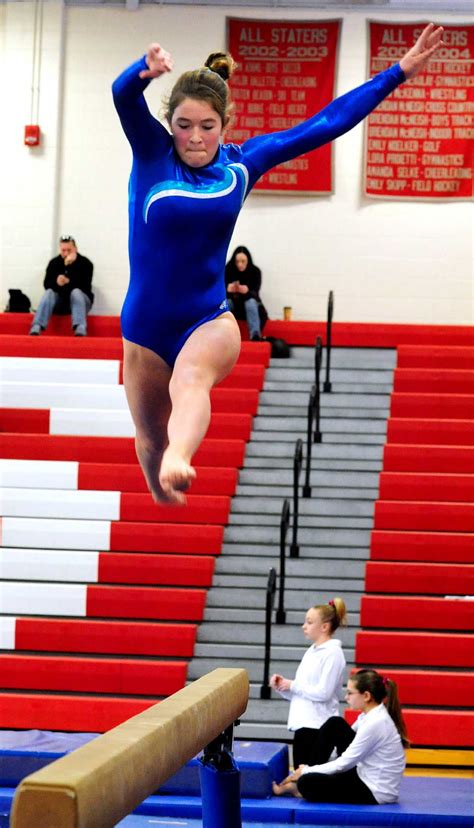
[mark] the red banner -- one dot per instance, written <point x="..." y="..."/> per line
<point x="419" y="140"/>
<point x="286" y="73"/>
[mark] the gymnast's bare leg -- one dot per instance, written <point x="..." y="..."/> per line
<point x="171" y="408"/>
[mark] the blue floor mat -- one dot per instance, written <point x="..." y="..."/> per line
<point x="431" y="802"/>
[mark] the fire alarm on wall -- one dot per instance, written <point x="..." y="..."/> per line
<point x="32" y="135"/>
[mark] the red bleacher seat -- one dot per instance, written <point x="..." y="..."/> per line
<point x="440" y="406"/>
<point x="414" y="648"/>
<point x="451" y="728"/>
<point x="421" y="546"/>
<point x="112" y="637"/>
<point x="432" y="432"/>
<point x="156" y="603"/>
<point x="418" y="613"/>
<point x="434" y="517"/>
<point x="427" y="458"/>
<point x="89" y="714"/>
<point x="188" y="538"/>
<point x="442" y="689"/>
<point x="420" y="578"/>
<point x="435" y="356"/>
<point x="430" y="380"/>
<point x="452" y="488"/>
<point x="125" y="477"/>
<point x="108" y="449"/>
<point x="129" y="676"/>
<point x="167" y="570"/>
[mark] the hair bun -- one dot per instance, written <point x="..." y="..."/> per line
<point x="222" y="63"/>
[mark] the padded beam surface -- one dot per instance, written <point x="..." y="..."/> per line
<point x="414" y="648"/>
<point x="421" y="546"/>
<point x="418" y="613"/>
<point x="106" y="637"/>
<point x="133" y="761"/>
<point x="439" y="406"/>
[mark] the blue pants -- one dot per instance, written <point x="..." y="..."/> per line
<point x="251" y="314"/>
<point x="80" y="307"/>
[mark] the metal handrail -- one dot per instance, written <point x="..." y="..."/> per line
<point x="297" y="465"/>
<point x="265" y="689"/>
<point x="318" y="358"/>
<point x="309" y="441"/>
<point x="284" y="524"/>
<point x="327" y="384"/>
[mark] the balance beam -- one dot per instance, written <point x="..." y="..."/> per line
<point x="105" y="780"/>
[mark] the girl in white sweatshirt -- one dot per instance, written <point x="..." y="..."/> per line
<point x="315" y="691"/>
<point x="371" y="755"/>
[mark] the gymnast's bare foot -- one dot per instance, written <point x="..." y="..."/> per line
<point x="286" y="788"/>
<point x="176" y="475"/>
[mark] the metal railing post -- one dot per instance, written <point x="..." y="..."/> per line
<point x="327" y="384"/>
<point x="318" y="355"/>
<point x="309" y="440"/>
<point x="284" y="523"/>
<point x="297" y="464"/>
<point x="265" y="689"/>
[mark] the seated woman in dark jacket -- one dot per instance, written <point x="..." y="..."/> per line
<point x="243" y="282"/>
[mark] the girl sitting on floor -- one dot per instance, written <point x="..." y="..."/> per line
<point x="370" y="754"/>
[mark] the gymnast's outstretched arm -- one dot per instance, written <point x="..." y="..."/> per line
<point x="266" y="151"/>
<point x="144" y="132"/>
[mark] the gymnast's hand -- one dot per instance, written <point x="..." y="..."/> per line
<point x="279" y="682"/>
<point x="158" y="61"/>
<point x="418" y="56"/>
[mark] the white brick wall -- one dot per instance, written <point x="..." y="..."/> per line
<point x="386" y="261"/>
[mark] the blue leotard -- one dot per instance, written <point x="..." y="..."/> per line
<point x="182" y="218"/>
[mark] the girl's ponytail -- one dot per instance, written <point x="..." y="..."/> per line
<point x="385" y="690"/>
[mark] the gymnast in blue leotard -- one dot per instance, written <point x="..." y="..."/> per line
<point x="185" y="194"/>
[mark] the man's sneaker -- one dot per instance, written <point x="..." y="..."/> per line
<point x="35" y="330"/>
<point x="80" y="330"/>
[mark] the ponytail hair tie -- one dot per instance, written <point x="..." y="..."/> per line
<point x="331" y="604"/>
<point x="385" y="681"/>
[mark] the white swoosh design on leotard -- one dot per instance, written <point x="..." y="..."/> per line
<point x="185" y="190"/>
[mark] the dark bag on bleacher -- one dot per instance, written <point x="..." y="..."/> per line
<point x="18" y="303"/>
<point x="280" y="347"/>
